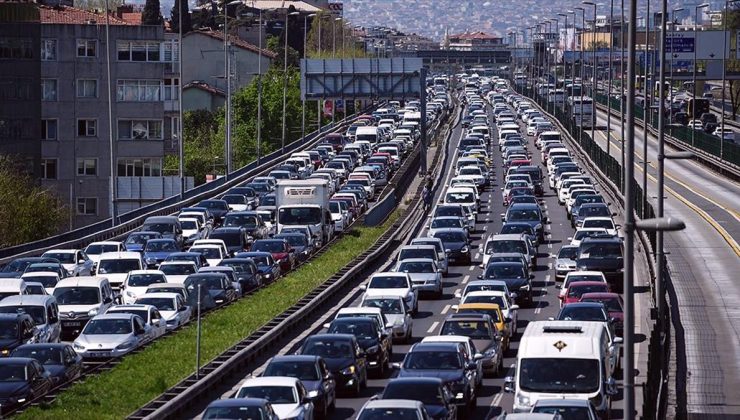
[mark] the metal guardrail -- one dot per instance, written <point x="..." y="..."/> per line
<point x="99" y="232"/>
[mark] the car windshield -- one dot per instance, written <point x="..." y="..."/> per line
<point x="426" y="393"/>
<point x="506" y="246"/>
<point x="189" y="224"/>
<point x="600" y="250"/>
<point x="16" y="266"/>
<point x="138" y="239"/>
<point x="35" y="268"/>
<point x="493" y="313"/>
<point x="13" y="373"/>
<point x="46" y="281"/>
<point x="295" y="240"/>
<point x="387" y="306"/>
<point x="299" y="215"/>
<point x="505" y="271"/>
<point x="328" y="349"/>
<point x="460" y="197"/>
<point x="269" y="200"/>
<point x="436" y="360"/>
<point x="108" y="326"/>
<point x="44" y="355"/>
<point x="118" y="266"/>
<point x="97" y="249"/>
<point x="448" y="211"/>
<point x="569" y="313"/>
<point x="208" y="283"/>
<point x="163" y="304"/>
<point x="529" y="215"/>
<point x="593" y="211"/>
<point x="446" y="223"/>
<point x="235" y="199"/>
<point x="416" y="253"/>
<point x="416" y="267"/>
<point x="144" y="280"/>
<point x="570" y="413"/>
<point x="209" y="253"/>
<point x="214" y="204"/>
<point x="273" y="394"/>
<point x="472" y="329"/>
<point x="160" y="246"/>
<point x="159" y="227"/>
<point x="239" y="220"/>
<point x="559" y="375"/>
<point x="509" y="229"/>
<point x="576" y="290"/>
<point x="451" y="236"/>
<point x="8" y="329"/>
<point x="496" y="299"/>
<point x="389" y="413"/>
<point x="77" y="295"/>
<point x="581" y="234"/>
<point x="598" y="223"/>
<point x="63" y="257"/>
<point x="235" y="413"/>
<point x="569" y="253"/>
<point x="303" y="370"/>
<point x="612" y="304"/>
<point x="177" y="269"/>
<point x="229" y="238"/>
<point x="362" y="330"/>
<point x="38" y="313"/>
<point x="388" y="282"/>
<point x="268" y="246"/>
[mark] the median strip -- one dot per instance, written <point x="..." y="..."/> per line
<point x="143" y="376"/>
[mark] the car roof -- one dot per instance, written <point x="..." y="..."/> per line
<point x="61" y="251"/>
<point x="120" y="255"/>
<point x="121" y="308"/>
<point x="417" y="380"/>
<point x="417" y="260"/>
<point x="121" y="315"/>
<point x="270" y="381"/>
<point x="583" y="305"/>
<point x="146" y="272"/>
<point x="393" y="403"/>
<point x="81" y="281"/>
<point x="239" y="402"/>
<point x="295" y="357"/>
<point x="433" y="347"/>
<point x="165" y="295"/>
<point x="360" y="310"/>
<point x="34" y="300"/>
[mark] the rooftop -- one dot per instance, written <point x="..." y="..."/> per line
<point x="65" y="15"/>
<point x="235" y="41"/>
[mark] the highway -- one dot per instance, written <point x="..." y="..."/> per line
<point x="704" y="260"/>
<point x="491" y="398"/>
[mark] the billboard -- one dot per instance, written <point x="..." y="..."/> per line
<point x="708" y="45"/>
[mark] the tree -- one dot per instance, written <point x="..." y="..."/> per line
<point x="27" y="211"/>
<point x="178" y="8"/>
<point x="277" y="45"/>
<point x="151" y="14"/>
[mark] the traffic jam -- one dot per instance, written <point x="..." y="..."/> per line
<point x="65" y="310"/>
<point x="505" y="304"/>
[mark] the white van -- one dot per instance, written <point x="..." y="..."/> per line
<point x="44" y="311"/>
<point x="115" y="266"/>
<point x="563" y="359"/>
<point x="12" y="287"/>
<point x="80" y="299"/>
<point x="367" y="133"/>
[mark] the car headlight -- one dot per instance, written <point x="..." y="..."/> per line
<point x="5" y="352"/>
<point x="523" y="400"/>
<point x="93" y="311"/>
<point x="313" y="394"/>
<point x="71" y="271"/>
<point x="372" y="350"/>
<point x="349" y="370"/>
<point x="490" y="352"/>
<point x="620" y="270"/>
<point x="464" y="249"/>
<point x="126" y="345"/>
<point x="78" y="346"/>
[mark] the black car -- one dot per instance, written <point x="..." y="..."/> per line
<point x="432" y="392"/>
<point x="515" y="274"/>
<point x="372" y="338"/>
<point x="584" y="311"/>
<point x="15" y="329"/>
<point x="235" y="238"/>
<point x="581" y="200"/>
<point x="300" y="244"/>
<point x="250" y="221"/>
<point x="313" y="373"/>
<point x="216" y="290"/>
<point x="260" y="188"/>
<point x="248" y="193"/>
<point x="17" y="267"/>
<point x="246" y="272"/>
<point x="343" y="356"/>
<point x="591" y="210"/>
<point x="530" y="214"/>
<point x="605" y="254"/>
<point x="267" y="267"/>
<point x="456" y="244"/>
<point x="218" y="209"/>
<point x="21" y="380"/>
<point x="59" y="359"/>
<point x="196" y="257"/>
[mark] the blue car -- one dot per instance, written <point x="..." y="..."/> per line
<point x="157" y="250"/>
<point x="268" y="269"/>
<point x="136" y="241"/>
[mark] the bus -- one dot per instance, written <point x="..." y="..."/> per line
<point x="697" y="107"/>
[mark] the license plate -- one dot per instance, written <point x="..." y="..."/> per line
<point x="99" y="354"/>
<point x="72" y="324"/>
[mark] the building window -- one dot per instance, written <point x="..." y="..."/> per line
<point x="48" y="89"/>
<point x="87" y="88"/>
<point x="140" y="129"/>
<point x="87" y="206"/>
<point x="48" y="50"/>
<point x="48" y="168"/>
<point x="87" y="167"/>
<point x="16" y="49"/>
<point x="87" y="128"/>
<point x="171" y="86"/>
<point x="21" y="128"/>
<point x="16" y="88"/>
<point x="138" y="90"/>
<point x="87" y="47"/>
<point x="171" y="51"/>
<point x="138" y="51"/>
<point x="48" y="129"/>
<point x="139" y="167"/>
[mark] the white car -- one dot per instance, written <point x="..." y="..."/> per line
<point x="75" y="261"/>
<point x="394" y="284"/>
<point x="170" y="305"/>
<point x="213" y="253"/>
<point x="94" y="250"/>
<point x="601" y="222"/>
<point x="576" y="276"/>
<point x="728" y="134"/>
<point x="148" y="313"/>
<point x="112" y="335"/>
<point x="582" y="233"/>
<point x="393" y="409"/>
<point x="501" y="298"/>
<point x="178" y="271"/>
<point x="396" y="312"/>
<point x="287" y="396"/>
<point x="138" y="281"/>
<point x="424" y="274"/>
<point x="572" y="197"/>
<point x="190" y="227"/>
<point x="48" y="279"/>
<point x="567" y="187"/>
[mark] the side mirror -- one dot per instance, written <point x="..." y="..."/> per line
<point x="507" y="320"/>
<point x="458" y="294"/>
<point x="471" y="366"/>
<point x="327" y="325"/>
<point x="509" y="384"/>
<point x="455" y="307"/>
<point x="389" y="325"/>
<point x="514" y="307"/>
<point x="396" y="365"/>
<point x="107" y="300"/>
<point x="477" y="356"/>
<point x="551" y="318"/>
<point x="618" y="340"/>
<point x="363" y="287"/>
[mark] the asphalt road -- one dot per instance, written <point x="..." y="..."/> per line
<point x="491" y="398"/>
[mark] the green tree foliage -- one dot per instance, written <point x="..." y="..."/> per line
<point x="733" y="25"/>
<point x="331" y="42"/>
<point x="180" y="7"/>
<point x="277" y="45"/>
<point x="151" y="14"/>
<point x="27" y="211"/>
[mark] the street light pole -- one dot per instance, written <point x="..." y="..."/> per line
<point x="673" y="22"/>
<point x="180" y="134"/>
<point x="594" y="66"/>
<point x="647" y="110"/>
<point x="609" y="85"/>
<point x="580" y="71"/>
<point x="621" y="94"/>
<point x="111" y="142"/>
<point x="693" y="87"/>
<point x="227" y="76"/>
<point x="285" y="76"/>
<point x="259" y="91"/>
<point x="303" y="101"/>
<point x="725" y="48"/>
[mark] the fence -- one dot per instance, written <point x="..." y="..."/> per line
<point x="654" y="390"/>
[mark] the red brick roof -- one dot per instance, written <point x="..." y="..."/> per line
<point x="65" y="15"/>
<point x="133" y="18"/>
<point x="236" y="41"/>
<point x="197" y="84"/>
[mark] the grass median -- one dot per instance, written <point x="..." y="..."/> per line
<point x="143" y="376"/>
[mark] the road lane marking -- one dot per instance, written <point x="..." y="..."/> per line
<point x="547" y="278"/>
<point x="433" y="327"/>
<point x="445" y="309"/>
<point x="471" y="268"/>
<point x="497" y="400"/>
<point x="477" y="255"/>
<point x="465" y="279"/>
<point x="549" y="266"/>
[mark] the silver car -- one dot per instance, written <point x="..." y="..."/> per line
<point x="112" y="335"/>
<point x="75" y="261"/>
<point x="396" y="312"/>
<point x="171" y="305"/>
<point x="445" y="222"/>
<point x="424" y="273"/>
<point x="148" y="313"/>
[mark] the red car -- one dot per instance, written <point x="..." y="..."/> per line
<point x="520" y="162"/>
<point x="613" y="303"/>
<point x="280" y="249"/>
<point x="515" y="192"/>
<point x="576" y="290"/>
<point x="335" y="140"/>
